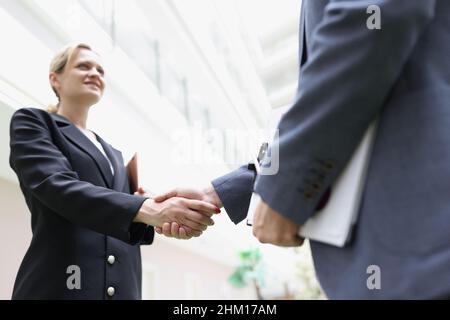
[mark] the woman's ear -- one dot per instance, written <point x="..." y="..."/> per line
<point x="54" y="81"/>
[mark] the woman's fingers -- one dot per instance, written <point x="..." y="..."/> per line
<point x="179" y="232"/>
<point x="166" y="229"/>
<point x="182" y="233"/>
<point x="191" y="232"/>
<point x="140" y="192"/>
<point x="174" y="230"/>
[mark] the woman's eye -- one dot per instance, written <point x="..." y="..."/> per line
<point x="83" y="66"/>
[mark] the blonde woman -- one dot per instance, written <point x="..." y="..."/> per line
<point x="87" y="227"/>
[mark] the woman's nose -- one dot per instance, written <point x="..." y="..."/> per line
<point x="93" y="72"/>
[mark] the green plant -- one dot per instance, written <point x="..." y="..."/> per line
<point x="250" y="270"/>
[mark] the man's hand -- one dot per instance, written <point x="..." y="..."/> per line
<point x="271" y="227"/>
<point x="174" y="230"/>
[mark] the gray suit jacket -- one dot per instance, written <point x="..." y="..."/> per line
<point x="349" y="75"/>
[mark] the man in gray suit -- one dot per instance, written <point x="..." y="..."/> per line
<point x="349" y="75"/>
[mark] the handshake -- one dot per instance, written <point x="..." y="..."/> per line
<point x="186" y="213"/>
<point x="180" y="213"/>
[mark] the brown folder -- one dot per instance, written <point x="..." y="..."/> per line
<point x="132" y="172"/>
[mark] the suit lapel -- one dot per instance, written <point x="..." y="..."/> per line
<point x="117" y="163"/>
<point x="78" y="138"/>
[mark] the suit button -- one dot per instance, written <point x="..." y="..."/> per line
<point x="111" y="291"/>
<point x="111" y="259"/>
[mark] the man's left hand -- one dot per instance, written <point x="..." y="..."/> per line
<point x="270" y="226"/>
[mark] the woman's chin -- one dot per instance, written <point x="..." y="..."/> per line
<point x="93" y="98"/>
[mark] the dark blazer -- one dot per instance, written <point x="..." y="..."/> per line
<point x="81" y="215"/>
<point x="349" y="75"/>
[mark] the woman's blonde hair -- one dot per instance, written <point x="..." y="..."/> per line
<point x="58" y="64"/>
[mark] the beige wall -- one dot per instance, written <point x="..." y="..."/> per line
<point x="181" y="274"/>
<point x="169" y="271"/>
<point x="15" y="234"/>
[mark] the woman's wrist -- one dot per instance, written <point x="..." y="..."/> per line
<point x="148" y="213"/>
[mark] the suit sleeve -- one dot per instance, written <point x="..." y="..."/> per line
<point x="344" y="83"/>
<point x="47" y="174"/>
<point x="235" y="190"/>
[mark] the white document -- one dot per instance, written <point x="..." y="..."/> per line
<point x="333" y="224"/>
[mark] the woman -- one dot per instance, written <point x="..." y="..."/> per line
<point x="87" y="227"/>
